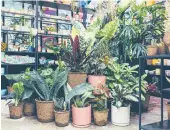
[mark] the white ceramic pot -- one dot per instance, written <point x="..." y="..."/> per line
<point x="120" y="116"/>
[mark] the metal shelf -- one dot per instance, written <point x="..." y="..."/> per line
<point x="19" y="52"/>
<point x="6" y="64"/>
<point x="16" y="13"/>
<point x="54" y="35"/>
<point x="57" y="5"/>
<point x="14" y="31"/>
<point x="157" y="126"/>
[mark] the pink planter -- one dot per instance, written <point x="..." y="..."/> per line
<point x="97" y="81"/>
<point x="81" y="116"/>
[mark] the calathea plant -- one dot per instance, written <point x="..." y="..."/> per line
<point x="123" y="84"/>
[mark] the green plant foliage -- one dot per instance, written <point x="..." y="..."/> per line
<point x="123" y="83"/>
<point x="80" y="94"/>
<point x="60" y="104"/>
<point x="43" y="90"/>
<point x="17" y="94"/>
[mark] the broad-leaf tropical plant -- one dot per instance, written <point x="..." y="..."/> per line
<point x="123" y="83"/>
<point x="17" y="94"/>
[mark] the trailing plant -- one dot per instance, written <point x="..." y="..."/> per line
<point x="123" y="83"/>
<point x="18" y="91"/>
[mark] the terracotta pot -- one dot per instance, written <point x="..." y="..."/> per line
<point x="166" y="38"/>
<point x="45" y="111"/>
<point x="161" y="49"/>
<point x="146" y="102"/>
<point x="97" y="80"/>
<point x="151" y="51"/>
<point x="62" y="118"/>
<point x="100" y="117"/>
<point x="29" y="109"/>
<point x="81" y="117"/>
<point x="75" y="79"/>
<point x="16" y="112"/>
<point x="10" y="89"/>
<point x="168" y="109"/>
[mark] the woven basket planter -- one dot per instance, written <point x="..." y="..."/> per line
<point x="62" y="118"/>
<point x="29" y="109"/>
<point x="16" y="112"/>
<point x="75" y="78"/>
<point x="100" y="117"/>
<point x="45" y="111"/>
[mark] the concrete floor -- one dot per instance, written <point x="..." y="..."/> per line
<point x="31" y="123"/>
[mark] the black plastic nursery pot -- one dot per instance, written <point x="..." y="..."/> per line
<point x="62" y="118"/>
<point x="16" y="112"/>
<point x="45" y="111"/>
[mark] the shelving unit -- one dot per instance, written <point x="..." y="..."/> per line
<point x="162" y="125"/>
<point x="37" y="20"/>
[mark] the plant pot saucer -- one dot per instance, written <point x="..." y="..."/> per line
<point x="121" y="124"/>
<point x="81" y="126"/>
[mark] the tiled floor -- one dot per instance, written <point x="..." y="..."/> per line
<point x="31" y="123"/>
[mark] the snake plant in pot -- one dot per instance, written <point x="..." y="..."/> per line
<point x="47" y="91"/>
<point x="124" y="88"/>
<point x="81" y="108"/>
<point x="16" y="108"/>
<point x="61" y="113"/>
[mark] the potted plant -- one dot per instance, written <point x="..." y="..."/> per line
<point x="16" y="108"/>
<point x="61" y="113"/>
<point x="28" y="95"/>
<point x="81" y="108"/>
<point x="100" y="111"/>
<point x="47" y="89"/>
<point x="96" y="68"/>
<point x="150" y="89"/>
<point x="124" y="88"/>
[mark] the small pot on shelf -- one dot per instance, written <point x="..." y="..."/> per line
<point x="16" y="112"/>
<point x="62" y="118"/>
<point x="151" y="51"/>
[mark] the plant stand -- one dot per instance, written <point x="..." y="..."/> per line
<point x="162" y="125"/>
